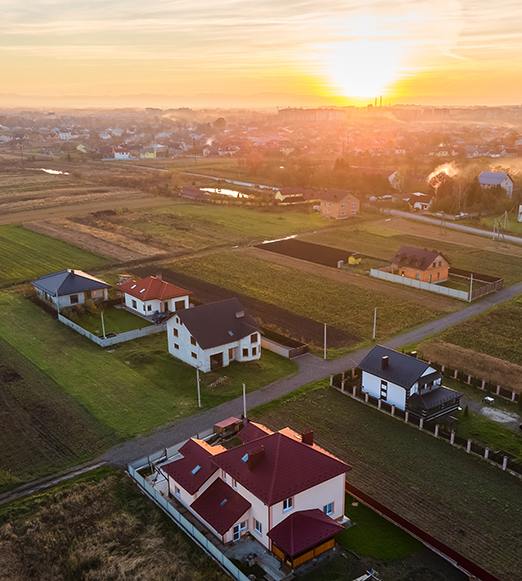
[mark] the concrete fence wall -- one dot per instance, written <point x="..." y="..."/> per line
<point x="434" y="288"/>
<point x="119" y="338"/>
<point x="282" y="350"/>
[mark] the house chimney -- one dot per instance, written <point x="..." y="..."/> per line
<point x="255" y="456"/>
<point x="240" y="314"/>
<point x="308" y="438"/>
<point x="385" y="361"/>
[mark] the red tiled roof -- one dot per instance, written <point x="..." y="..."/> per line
<point x="184" y="471"/>
<point x="152" y="287"/>
<point x="283" y="466"/>
<point x="220" y="506"/>
<point x="303" y="530"/>
<point x="252" y="431"/>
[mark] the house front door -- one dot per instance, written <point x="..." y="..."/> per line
<point x="238" y="530"/>
<point x="166" y="307"/>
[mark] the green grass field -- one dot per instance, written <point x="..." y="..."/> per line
<point x="341" y="305"/>
<point x="466" y="503"/>
<point x="43" y="429"/>
<point x="97" y="526"/>
<point x="25" y="255"/>
<point x="513" y="226"/>
<point x="367" y="239"/>
<point x="182" y="226"/>
<point x="115" y="321"/>
<point x="496" y="333"/>
<point x="132" y="389"/>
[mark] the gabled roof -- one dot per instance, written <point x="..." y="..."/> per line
<point x="252" y="431"/>
<point x="218" y="323"/>
<point x="432" y="399"/>
<point x="220" y="506"/>
<point x="403" y="370"/>
<point x="303" y="530"/>
<point x="68" y="282"/>
<point x="152" y="287"/>
<point x="283" y="466"/>
<point x="492" y="178"/>
<point x="420" y="258"/>
<point x="186" y="472"/>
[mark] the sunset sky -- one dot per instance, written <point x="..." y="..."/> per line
<point x="271" y="52"/>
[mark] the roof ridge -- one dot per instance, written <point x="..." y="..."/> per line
<point x="275" y="471"/>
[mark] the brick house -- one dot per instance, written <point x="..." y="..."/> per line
<point x="420" y="264"/>
<point x="340" y="206"/>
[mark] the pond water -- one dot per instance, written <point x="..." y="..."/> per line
<point x="225" y="192"/>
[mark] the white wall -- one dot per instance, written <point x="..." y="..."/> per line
<point x="371" y="384"/>
<point x="202" y="360"/>
<point x="154" y="305"/>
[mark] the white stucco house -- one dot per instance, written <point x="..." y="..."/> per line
<point x="150" y="295"/>
<point x="70" y="287"/>
<point x="492" y="179"/>
<point x="280" y="487"/>
<point x="406" y="382"/>
<point x="213" y="335"/>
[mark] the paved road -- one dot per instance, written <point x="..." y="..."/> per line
<point x="311" y="368"/>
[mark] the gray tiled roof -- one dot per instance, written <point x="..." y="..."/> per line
<point x="68" y="282"/>
<point x="492" y="178"/>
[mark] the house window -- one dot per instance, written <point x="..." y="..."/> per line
<point x="258" y="527"/>
<point x="74" y="299"/>
<point x="134" y="304"/>
<point x="176" y="346"/>
<point x="144" y="308"/>
<point x="288" y="504"/>
<point x="245" y="352"/>
<point x="254" y="351"/>
<point x="253" y="338"/>
<point x="384" y="389"/>
<point x="177" y="491"/>
<point x="328" y="509"/>
<point x="231" y="354"/>
<point x="175" y="332"/>
<point x="149" y="307"/>
<point x="194" y="355"/>
<point x="193" y="341"/>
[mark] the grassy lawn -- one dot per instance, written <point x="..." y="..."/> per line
<point x="364" y="238"/>
<point x="513" y="226"/>
<point x="43" y="429"/>
<point x="134" y="387"/>
<point x="96" y="527"/>
<point x="116" y="321"/>
<point x="25" y="255"/>
<point x="196" y="226"/>
<point x="341" y="305"/>
<point x="374" y="536"/>
<point x="464" y="502"/>
<point x="496" y="333"/>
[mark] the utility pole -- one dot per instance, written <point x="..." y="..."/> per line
<point x="244" y="402"/>
<point x="103" y="324"/>
<point x="470" y="288"/>
<point x="374" y="334"/>
<point x="324" y="342"/>
<point x="198" y="386"/>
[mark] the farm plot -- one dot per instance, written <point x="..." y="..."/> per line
<point x="474" y="508"/>
<point x="134" y="387"/>
<point x="326" y="255"/>
<point x="43" y="429"/>
<point x="342" y="305"/>
<point x="182" y="227"/>
<point x="98" y="526"/>
<point x="25" y="255"/>
<point x="374" y="239"/>
<point x="271" y="316"/>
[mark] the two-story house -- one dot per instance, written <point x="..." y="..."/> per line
<point x="406" y="382"/>
<point x="212" y="335"/>
<point x="496" y="179"/>
<point x="339" y="206"/>
<point x="152" y="294"/>
<point x="70" y="287"/>
<point x="420" y="264"/>
<point x="280" y="487"/>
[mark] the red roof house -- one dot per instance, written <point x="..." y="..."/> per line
<point x="152" y="294"/>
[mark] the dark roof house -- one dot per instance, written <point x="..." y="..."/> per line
<point x="67" y="282"/>
<point x="420" y="258"/>
<point x="218" y="323"/>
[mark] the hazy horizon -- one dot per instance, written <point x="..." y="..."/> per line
<point x="269" y="54"/>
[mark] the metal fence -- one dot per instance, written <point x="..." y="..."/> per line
<point x="348" y="383"/>
<point x="119" y="338"/>
<point x="186" y="526"/>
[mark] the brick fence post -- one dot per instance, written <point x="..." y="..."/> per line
<point x="421" y="423"/>
<point x="455" y="373"/>
<point x="366" y="397"/>
<point x="353" y="371"/>
<point x="393" y="410"/>
<point x="504" y="463"/>
<point x="486" y="453"/>
<point x="354" y="391"/>
<point x="452" y="437"/>
<point x="498" y="390"/>
<point x="469" y="380"/>
<point x="513" y="396"/>
<point x="406" y="416"/>
<point x="379" y="404"/>
<point x="483" y="384"/>
<point x="468" y="446"/>
<point x="436" y="430"/>
<point x="331" y="380"/>
<point x="442" y="368"/>
<point x="342" y="385"/>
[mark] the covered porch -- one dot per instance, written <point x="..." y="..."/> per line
<point x="434" y="404"/>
